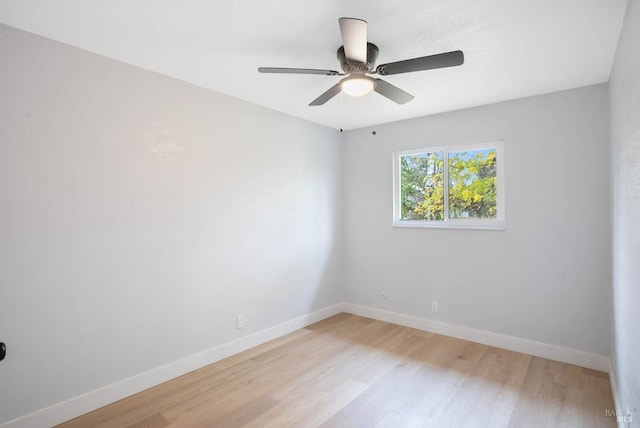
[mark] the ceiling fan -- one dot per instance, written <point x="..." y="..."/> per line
<point x="357" y="58"/>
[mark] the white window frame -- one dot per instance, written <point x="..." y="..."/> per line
<point x="487" y="224"/>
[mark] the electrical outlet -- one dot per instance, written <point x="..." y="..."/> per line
<point x="434" y="306"/>
<point x="240" y="321"/>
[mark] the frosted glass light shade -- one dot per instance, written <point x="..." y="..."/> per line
<point x="357" y="86"/>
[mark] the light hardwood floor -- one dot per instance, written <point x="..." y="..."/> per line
<point x="349" y="371"/>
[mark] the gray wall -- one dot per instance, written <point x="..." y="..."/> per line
<point x="624" y="93"/>
<point x="141" y="214"/>
<point x="547" y="276"/>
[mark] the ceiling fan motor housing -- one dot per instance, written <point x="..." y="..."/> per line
<point x="358" y="67"/>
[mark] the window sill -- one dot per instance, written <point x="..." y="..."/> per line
<point x="468" y="225"/>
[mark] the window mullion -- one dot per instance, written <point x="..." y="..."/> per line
<point x="446" y="184"/>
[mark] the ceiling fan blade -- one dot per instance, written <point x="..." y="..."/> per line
<point x="394" y="93"/>
<point x="447" y="59"/>
<point x="330" y="93"/>
<point x="354" y="39"/>
<point x="298" y="71"/>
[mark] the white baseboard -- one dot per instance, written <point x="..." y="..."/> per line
<point x="614" y="392"/>
<point x="538" y="349"/>
<point x="623" y="414"/>
<point x="82" y="404"/>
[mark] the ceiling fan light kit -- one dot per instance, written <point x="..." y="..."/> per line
<point x="357" y="59"/>
<point x="357" y="85"/>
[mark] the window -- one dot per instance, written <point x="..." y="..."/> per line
<point x="450" y="186"/>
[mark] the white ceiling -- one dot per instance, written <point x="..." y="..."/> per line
<point x="513" y="48"/>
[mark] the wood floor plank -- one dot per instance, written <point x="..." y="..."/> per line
<point x="153" y="421"/>
<point x="328" y="380"/>
<point x="488" y="395"/>
<point x="350" y="371"/>
<point x="555" y="394"/>
<point x="311" y="412"/>
<point x="415" y="389"/>
<point x="260" y="349"/>
<point x="242" y="415"/>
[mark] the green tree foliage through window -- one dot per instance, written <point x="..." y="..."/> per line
<point x="471" y="189"/>
<point x="422" y="186"/>
<point x="472" y="184"/>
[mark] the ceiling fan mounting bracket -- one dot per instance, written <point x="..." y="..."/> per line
<point x="358" y="67"/>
